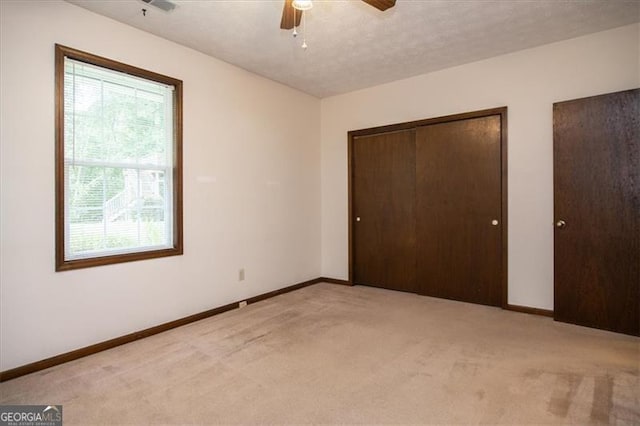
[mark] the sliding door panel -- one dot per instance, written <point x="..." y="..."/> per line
<point x="458" y="210"/>
<point x="383" y="210"/>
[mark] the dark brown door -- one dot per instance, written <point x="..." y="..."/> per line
<point x="383" y="210"/>
<point x="596" y="165"/>
<point x="458" y="194"/>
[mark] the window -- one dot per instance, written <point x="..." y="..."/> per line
<point x="118" y="162"/>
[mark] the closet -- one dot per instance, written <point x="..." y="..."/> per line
<point x="427" y="207"/>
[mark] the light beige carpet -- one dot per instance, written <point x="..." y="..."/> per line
<point x="336" y="354"/>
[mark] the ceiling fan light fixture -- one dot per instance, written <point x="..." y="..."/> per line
<point x="302" y="4"/>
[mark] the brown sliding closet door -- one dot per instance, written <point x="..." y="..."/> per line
<point x="383" y="210"/>
<point x="458" y="210"/>
<point x="596" y="166"/>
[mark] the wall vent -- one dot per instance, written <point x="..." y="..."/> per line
<point x="165" y="5"/>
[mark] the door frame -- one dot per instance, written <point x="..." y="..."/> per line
<point x="502" y="112"/>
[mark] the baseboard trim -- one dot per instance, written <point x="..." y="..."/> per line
<point x="529" y="310"/>
<point x="118" y="341"/>
<point x="335" y="281"/>
<point x="274" y="293"/>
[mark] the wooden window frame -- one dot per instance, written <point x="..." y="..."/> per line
<point x="62" y="52"/>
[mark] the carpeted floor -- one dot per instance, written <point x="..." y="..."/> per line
<point x="336" y="354"/>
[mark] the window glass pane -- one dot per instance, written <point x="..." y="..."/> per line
<point x="116" y="209"/>
<point x="113" y="117"/>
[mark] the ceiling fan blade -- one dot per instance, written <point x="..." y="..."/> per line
<point x="381" y="4"/>
<point x="288" y="12"/>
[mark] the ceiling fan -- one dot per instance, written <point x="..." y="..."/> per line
<point x="292" y="13"/>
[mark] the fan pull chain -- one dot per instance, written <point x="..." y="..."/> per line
<point x="304" y="31"/>
<point x="295" y="29"/>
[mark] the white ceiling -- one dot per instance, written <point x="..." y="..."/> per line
<point x="353" y="46"/>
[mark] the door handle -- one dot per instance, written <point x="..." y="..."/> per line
<point x="495" y="222"/>
<point x="358" y="219"/>
<point x="561" y="224"/>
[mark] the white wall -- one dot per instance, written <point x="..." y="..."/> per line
<point x="528" y="82"/>
<point x="251" y="189"/>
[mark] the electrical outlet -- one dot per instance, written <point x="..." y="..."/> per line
<point x="242" y="304"/>
<point x="241" y="274"/>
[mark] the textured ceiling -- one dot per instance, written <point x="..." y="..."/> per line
<point x="352" y="45"/>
